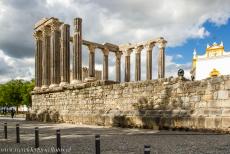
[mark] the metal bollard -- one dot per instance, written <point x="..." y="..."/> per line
<point x="147" y="149"/>
<point x="5" y="130"/>
<point x="58" y="136"/>
<point x="17" y="134"/>
<point x="36" y="137"/>
<point x="97" y="144"/>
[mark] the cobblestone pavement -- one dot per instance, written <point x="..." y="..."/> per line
<point x="80" y="140"/>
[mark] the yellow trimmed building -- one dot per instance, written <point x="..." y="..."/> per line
<point x="213" y="63"/>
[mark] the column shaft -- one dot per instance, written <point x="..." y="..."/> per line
<point x="138" y="63"/>
<point x="161" y="63"/>
<point x="149" y="64"/>
<point x="45" y="58"/>
<point x="105" y="68"/>
<point x="77" y="51"/>
<point x="127" y="68"/>
<point x="149" y="48"/>
<point x="127" y="65"/>
<point x="38" y="60"/>
<point x="92" y="64"/>
<point x="118" y="66"/>
<point x="65" y="54"/>
<point x="105" y="64"/>
<point x="55" y="55"/>
<point x="91" y="72"/>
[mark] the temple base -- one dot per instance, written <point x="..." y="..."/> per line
<point x="90" y="79"/>
<point x="44" y="87"/>
<point x="37" y="88"/>
<point x="62" y="84"/>
<point x="75" y="82"/>
<point x="53" y="85"/>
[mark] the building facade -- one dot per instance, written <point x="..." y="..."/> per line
<point x="214" y="62"/>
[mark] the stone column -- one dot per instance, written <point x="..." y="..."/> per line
<point x="105" y="64"/>
<point x="77" y="51"/>
<point x="55" y="54"/>
<point x="149" y="48"/>
<point x="138" y="63"/>
<point x="161" y="59"/>
<point x="45" y="57"/>
<point x="91" y="75"/>
<point x="65" y="54"/>
<point x="127" y="64"/>
<point x="118" y="66"/>
<point x="38" y="60"/>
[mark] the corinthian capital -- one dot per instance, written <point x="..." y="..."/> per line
<point x="105" y="51"/>
<point x="37" y="35"/>
<point x="55" y="26"/>
<point x="92" y="47"/>
<point x="149" y="46"/>
<point x="161" y="43"/>
<point x="127" y="52"/>
<point x="138" y="49"/>
<point x="118" y="54"/>
<point x="45" y="31"/>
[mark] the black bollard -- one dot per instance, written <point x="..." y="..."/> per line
<point x="36" y="137"/>
<point x="17" y="134"/>
<point x="58" y="136"/>
<point x="5" y="130"/>
<point x="147" y="149"/>
<point x="97" y="144"/>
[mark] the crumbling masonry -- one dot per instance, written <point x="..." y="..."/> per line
<point x="164" y="102"/>
<point x="53" y="55"/>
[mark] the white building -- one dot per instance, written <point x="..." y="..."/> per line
<point x="214" y="62"/>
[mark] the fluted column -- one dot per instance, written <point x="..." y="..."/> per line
<point x="45" y="57"/>
<point x="127" y="64"/>
<point x="118" y="66"/>
<point x="149" y="48"/>
<point x="138" y="63"/>
<point x="91" y="75"/>
<point x="38" y="60"/>
<point x="77" y="51"/>
<point x="65" y="54"/>
<point x="161" y="59"/>
<point x="105" y="64"/>
<point x="55" y="54"/>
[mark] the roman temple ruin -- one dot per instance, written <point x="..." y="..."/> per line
<point x="53" y="55"/>
<point x="64" y="92"/>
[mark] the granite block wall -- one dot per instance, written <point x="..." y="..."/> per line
<point x="169" y="102"/>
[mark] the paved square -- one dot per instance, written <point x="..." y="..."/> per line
<point x="77" y="139"/>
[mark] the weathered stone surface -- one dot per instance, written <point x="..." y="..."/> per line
<point x="225" y="122"/>
<point x="144" y="104"/>
<point x="225" y="103"/>
<point x="226" y="112"/>
<point x="212" y="122"/>
<point x="223" y="94"/>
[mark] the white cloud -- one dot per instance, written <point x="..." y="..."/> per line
<point x="178" y="56"/>
<point x="14" y="68"/>
<point x="115" y="21"/>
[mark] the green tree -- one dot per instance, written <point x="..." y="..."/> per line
<point x="26" y="92"/>
<point x="2" y="103"/>
<point x="16" y="93"/>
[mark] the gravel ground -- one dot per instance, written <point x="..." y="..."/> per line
<point x="77" y="139"/>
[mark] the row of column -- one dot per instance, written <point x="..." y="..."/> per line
<point x="149" y="48"/>
<point x="52" y="57"/>
<point x="91" y="76"/>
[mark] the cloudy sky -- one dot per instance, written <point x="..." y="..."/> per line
<point x="184" y="24"/>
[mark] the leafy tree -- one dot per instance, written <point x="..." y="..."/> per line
<point x="16" y="93"/>
<point x="25" y="92"/>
